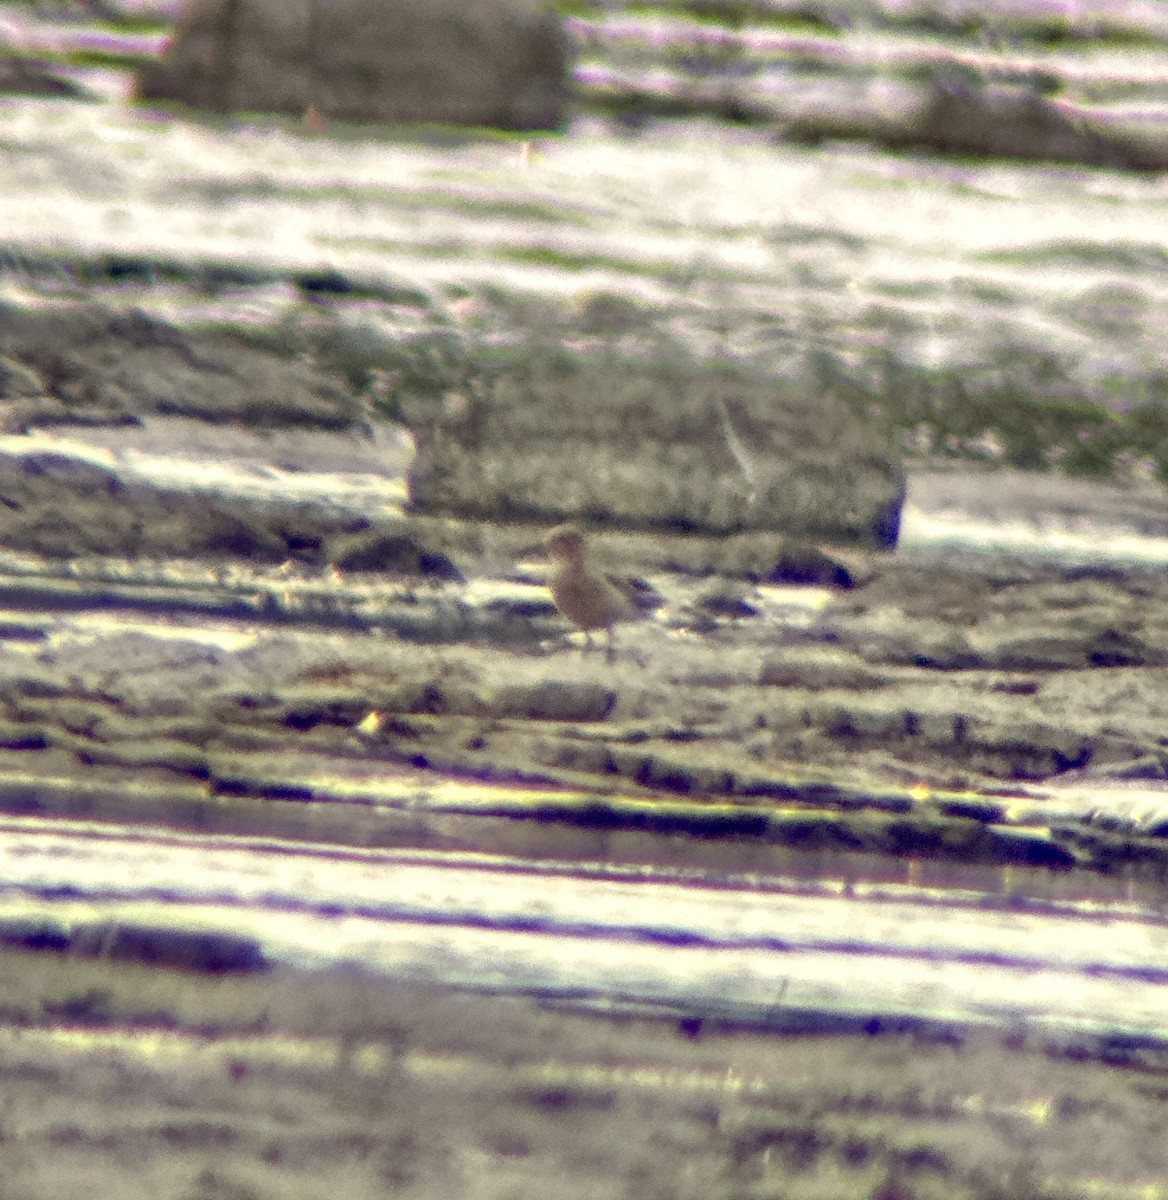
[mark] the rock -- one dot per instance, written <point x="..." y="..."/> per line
<point x="818" y="675"/>
<point x="1016" y="687"/>
<point x="62" y="507"/>
<point x="185" y="949"/>
<point x="813" y="831"/>
<point x="852" y="723"/>
<point x="1118" y="648"/>
<point x="522" y="608"/>
<point x="692" y="621"/>
<point x="884" y="635"/>
<point x="18" y="735"/>
<point x="971" y="808"/>
<point x="432" y="697"/>
<point x="393" y="553"/>
<point x="500" y="63"/>
<point x="81" y="362"/>
<point x="34" y="933"/>
<point x="323" y="707"/>
<point x="971" y="117"/>
<point x="968" y="115"/>
<point x="84" y="363"/>
<point x="20" y="76"/>
<point x="17" y="382"/>
<point x="1030" y="847"/>
<point x="1026" y="749"/>
<point x="950" y="652"/>
<point x="1106" y="647"/>
<point x="159" y="754"/>
<point x="1144" y="766"/>
<point x="726" y="600"/>
<point x="548" y="436"/>
<point x="802" y="564"/>
<point x="553" y="700"/>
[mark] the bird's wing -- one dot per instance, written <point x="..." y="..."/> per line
<point x="642" y="596"/>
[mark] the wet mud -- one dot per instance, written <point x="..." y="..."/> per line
<point x="924" y="714"/>
<point x="127" y="1079"/>
<point x="220" y="615"/>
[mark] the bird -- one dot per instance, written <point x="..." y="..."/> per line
<point x="591" y="600"/>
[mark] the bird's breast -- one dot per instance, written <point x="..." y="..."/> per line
<point x="585" y="599"/>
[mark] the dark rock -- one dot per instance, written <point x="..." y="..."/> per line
<point x="801" y="564"/>
<point x="34" y="933"/>
<point x="393" y="553"/>
<point x="726" y="601"/>
<point x="663" y="775"/>
<point x="17" y="735"/>
<point x="1030" y="847"/>
<point x="148" y="755"/>
<point x="932" y="644"/>
<point x="1116" y="648"/>
<point x="500" y="63"/>
<point x="522" y="607"/>
<point x="1028" y="749"/>
<point x="640" y="593"/>
<point x="83" y="361"/>
<point x="1105" y="647"/>
<point x="184" y="949"/>
<point x="325" y="284"/>
<point x="63" y="507"/>
<point x="244" y="784"/>
<point x="17" y="382"/>
<point x="973" y="809"/>
<point x="324" y="707"/>
<point x="432" y="697"/>
<point x="970" y="117"/>
<point x="813" y="831"/>
<point x="1017" y="687"/>
<point x="951" y="654"/>
<point x="693" y="622"/>
<point x="848" y="722"/>
<point x="20" y="76"/>
<point x="22" y="631"/>
<point x="1038" y="653"/>
<point x="1156" y="829"/>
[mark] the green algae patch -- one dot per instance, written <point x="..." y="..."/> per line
<point x="712" y="820"/>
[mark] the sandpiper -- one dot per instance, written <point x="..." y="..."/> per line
<point x="589" y="599"/>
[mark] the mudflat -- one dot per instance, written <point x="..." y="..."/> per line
<point x="148" y="1083"/>
<point x="223" y="620"/>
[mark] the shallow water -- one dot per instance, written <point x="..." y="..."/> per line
<point x="1034" y="538"/>
<point x="745" y="248"/>
<point x="1067" y="972"/>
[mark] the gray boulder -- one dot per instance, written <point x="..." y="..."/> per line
<point x="655" y="445"/>
<point x="498" y="63"/>
<point x="1002" y="121"/>
<point x="963" y="113"/>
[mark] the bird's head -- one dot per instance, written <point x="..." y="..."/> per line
<point x="565" y="542"/>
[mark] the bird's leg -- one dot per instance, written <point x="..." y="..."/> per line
<point x="588" y="643"/>
<point x="610" y="648"/>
